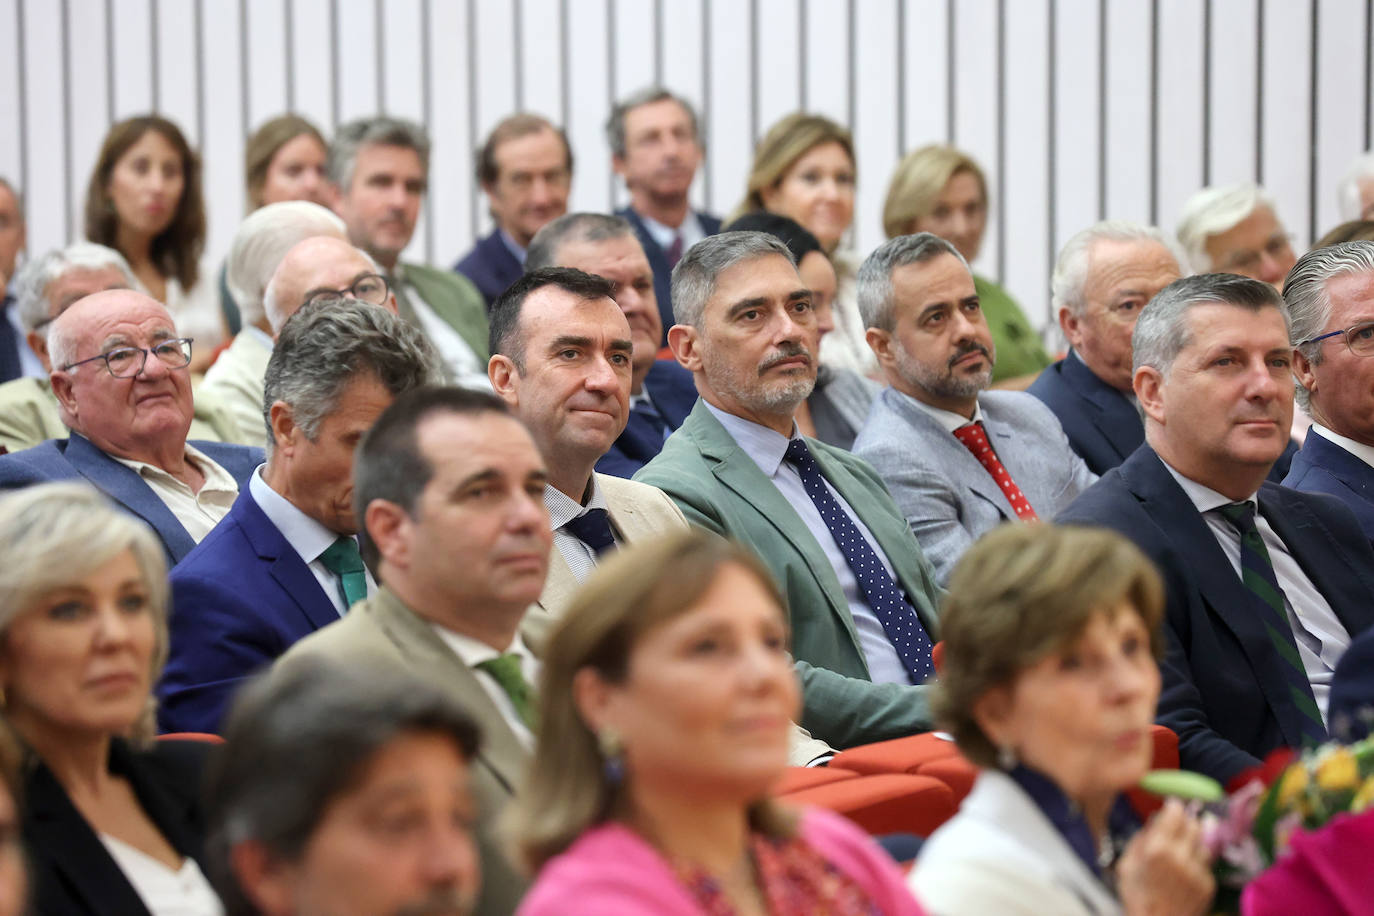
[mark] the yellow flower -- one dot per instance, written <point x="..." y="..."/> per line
<point x="1363" y="798"/>
<point x="1291" y="784"/>
<point x="1338" y="770"/>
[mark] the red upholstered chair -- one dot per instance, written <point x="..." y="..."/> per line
<point x="191" y="736"/>
<point x="937" y="656"/>
<point x="797" y="778"/>
<point x="1165" y="757"/>
<point x="900" y="755"/>
<point x="890" y="803"/>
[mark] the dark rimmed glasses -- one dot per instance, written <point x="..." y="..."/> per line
<point x="370" y="288"/>
<point x="126" y="362"/>
<point x="1360" y="338"/>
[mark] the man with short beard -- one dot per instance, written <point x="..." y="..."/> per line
<point x="958" y="459"/>
<point x="860" y="594"/>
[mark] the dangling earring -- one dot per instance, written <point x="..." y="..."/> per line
<point x="1006" y="757"/>
<point x="613" y="762"/>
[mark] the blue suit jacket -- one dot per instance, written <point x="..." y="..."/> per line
<point x="1224" y="691"/>
<point x="1322" y="466"/>
<point x="239" y="600"/>
<point x="674" y="393"/>
<point x="490" y="266"/>
<point x="659" y="262"/>
<point x="75" y="458"/>
<point x="1102" y="424"/>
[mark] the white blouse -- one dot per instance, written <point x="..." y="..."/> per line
<point x="164" y="891"/>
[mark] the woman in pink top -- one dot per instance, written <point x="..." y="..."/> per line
<point x="666" y="701"/>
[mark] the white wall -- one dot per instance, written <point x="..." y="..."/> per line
<point x="1078" y="109"/>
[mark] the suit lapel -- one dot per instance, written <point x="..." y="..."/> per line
<point x="447" y="306"/>
<point x="1357" y="476"/>
<point x="1114" y="415"/>
<point x="947" y="452"/>
<point x="1341" y="578"/>
<point x="287" y="567"/>
<point x="125" y="487"/>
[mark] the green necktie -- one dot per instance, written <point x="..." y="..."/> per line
<point x="506" y="670"/>
<point x="343" y="560"/>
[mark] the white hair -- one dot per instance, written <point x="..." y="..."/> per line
<point x="31" y="285"/>
<point x="1213" y="211"/>
<point x="279" y="312"/>
<point x="1071" y="270"/>
<point x="262" y="240"/>
<point x="1348" y="191"/>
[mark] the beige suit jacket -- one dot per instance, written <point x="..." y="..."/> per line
<point x="236" y="380"/>
<point x="381" y="632"/>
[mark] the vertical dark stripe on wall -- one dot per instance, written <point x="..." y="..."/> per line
<point x="379" y="43"/>
<point x="1001" y="178"/>
<point x="1259" y="91"/>
<point x="66" y="120"/>
<point x="803" y="58"/>
<point x="1051" y="130"/>
<point x="1368" y="68"/>
<point x="658" y="42"/>
<point x="949" y="71"/>
<point x="1102" y="33"/>
<point x="109" y="63"/>
<point x="289" y="42"/>
<point x="1312" y="127"/>
<point x="901" y="76"/>
<point x="473" y="141"/>
<point x="564" y="70"/>
<point x="517" y="28"/>
<point x="610" y="95"/>
<point x="334" y="61"/>
<point x="1206" y="93"/>
<point x="851" y="43"/>
<point x="753" y="68"/>
<point x="198" y="47"/>
<point x="153" y="75"/>
<point x="22" y="87"/>
<point x="1154" y="112"/>
<point x="245" y="114"/>
<point x="427" y="108"/>
<point x="707" y="170"/>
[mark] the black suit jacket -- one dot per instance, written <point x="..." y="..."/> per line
<point x="72" y="872"/>
<point x="1224" y="690"/>
<point x="490" y="266"/>
<point x="1102" y="424"/>
<point x="673" y="393"/>
<point x="659" y="262"/>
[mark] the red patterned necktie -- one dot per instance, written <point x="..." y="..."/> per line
<point x="976" y="441"/>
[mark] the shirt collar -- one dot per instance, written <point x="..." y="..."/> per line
<point x="664" y="235"/>
<point x="563" y="508"/>
<point x="514" y="247"/>
<point x="1203" y="497"/>
<point x="473" y="651"/>
<point x="766" y="446"/>
<point x="948" y="419"/>
<point x="1067" y="818"/>
<point x="1361" y="451"/>
<point x="305" y="535"/>
<point x="216" y="477"/>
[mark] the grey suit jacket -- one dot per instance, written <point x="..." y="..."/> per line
<point x="948" y="498"/>
<point x="382" y="632"/>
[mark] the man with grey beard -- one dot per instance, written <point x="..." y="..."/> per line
<point x="958" y="459"/>
<point x="860" y="595"/>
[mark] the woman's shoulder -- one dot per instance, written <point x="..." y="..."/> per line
<point x="606" y="870"/>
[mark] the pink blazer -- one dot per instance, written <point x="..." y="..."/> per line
<point x="609" y="869"/>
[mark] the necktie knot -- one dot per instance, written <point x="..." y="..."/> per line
<point x="799" y="454"/>
<point x="344" y="560"/>
<point x="1242" y="515"/>
<point x="593" y="528"/>
<point x="505" y="669"/>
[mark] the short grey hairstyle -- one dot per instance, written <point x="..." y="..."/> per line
<point x="34" y="278"/>
<point x="694" y="277"/>
<point x="53" y="535"/>
<point x="572" y="227"/>
<point x="615" y="124"/>
<point x="1070" y="277"/>
<point x="331" y="342"/>
<point x="1309" y="304"/>
<point x="299" y="739"/>
<point x="379" y="131"/>
<point x="1161" y="331"/>
<point x="874" y="281"/>
<point x="1348" y="191"/>
<point x="1213" y="211"/>
<point x="262" y="240"/>
<point x="278" y="312"/>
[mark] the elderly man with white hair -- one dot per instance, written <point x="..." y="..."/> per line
<point x="1235" y="229"/>
<point x="259" y="245"/>
<point x="45" y="288"/>
<point x="1356" y="190"/>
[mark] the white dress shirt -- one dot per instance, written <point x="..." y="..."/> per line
<point x="472" y="652"/>
<point x="1321" y="637"/>
<point x="691" y="231"/>
<point x="200" y="511"/>
<point x="306" y="536"/>
<point x="767" y="448"/>
<point x="1361" y="451"/>
<point x="563" y="508"/>
<point x="948" y="419"/>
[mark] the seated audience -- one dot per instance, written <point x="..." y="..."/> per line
<point x="958" y="459"/>
<point x="665" y="701"/>
<point x="379" y="170"/>
<point x="1356" y="190"/>
<point x="46" y="286"/>
<point x="860" y="594"/>
<point x="259" y="245"/>
<point x="112" y="822"/>
<point x="838" y="405"/>
<point x="1049" y="684"/>
<point x="661" y="392"/>
<point x="16" y="360"/>
<point x="656" y="147"/>
<point x="1235" y="229"/>
<point x="340" y="791"/>
<point x="525" y="168"/>
<point x="121" y="376"/>
<point x="941" y="190"/>
<point x="1329" y="294"/>
<point x="285" y="560"/>
<point x="804" y="169"/>
<point x="449" y="488"/>
<point x="1104" y="277"/>
<point x="1265" y="586"/>
<point x="144" y="200"/>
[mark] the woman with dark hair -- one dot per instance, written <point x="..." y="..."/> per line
<point x="144" y="200"/>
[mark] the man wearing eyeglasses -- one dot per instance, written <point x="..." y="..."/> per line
<point x="323" y="268"/>
<point x="1330" y="296"/>
<point x="121" y="378"/>
<point x="1235" y="229"/>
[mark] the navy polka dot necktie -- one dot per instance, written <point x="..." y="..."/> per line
<point x="899" y="619"/>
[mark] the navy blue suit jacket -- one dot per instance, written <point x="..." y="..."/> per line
<point x="75" y="458"/>
<point x="658" y="261"/>
<point x="490" y="266"/>
<point x="1224" y="690"/>
<point x="673" y="393"/>
<point x="239" y="600"/>
<point x="1322" y="466"/>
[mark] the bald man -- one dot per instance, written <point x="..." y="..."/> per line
<point x="324" y="268"/>
<point x="120" y="373"/>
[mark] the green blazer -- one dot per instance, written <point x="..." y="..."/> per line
<point x="454" y="299"/>
<point x="719" y="487"/>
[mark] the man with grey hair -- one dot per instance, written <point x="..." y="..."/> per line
<point x="1330" y="296"/>
<point x="1264" y="586"/>
<point x="656" y="147"/>
<point x="262" y="240"/>
<point x="661" y="392"/>
<point x="379" y="169"/>
<point x="1356" y="190"/>
<point x="860" y="593"/>
<point x="16" y="360"/>
<point x="285" y="561"/>
<point x="1235" y="229"/>
<point x="958" y="459"/>
<point x="1104" y="277"/>
<point x="45" y="288"/>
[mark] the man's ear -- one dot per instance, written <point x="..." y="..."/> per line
<point x="388" y="527"/>
<point x="267" y="883"/>
<point x="284" y="427"/>
<point x="1069" y="324"/>
<point x="39" y="345"/>
<point x="502" y="373"/>
<point x="1302" y="371"/>
<point x="62" y="388"/>
<point x="618" y="165"/>
<point x="880" y="342"/>
<point x="685" y="343"/>
<point x="1149" y="391"/>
